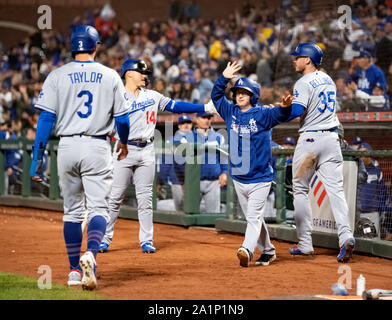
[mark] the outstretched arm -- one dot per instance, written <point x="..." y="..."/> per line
<point x="219" y="100"/>
<point x="184" y="107"/>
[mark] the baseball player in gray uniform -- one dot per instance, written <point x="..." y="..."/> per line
<point x="318" y="151"/>
<point x="84" y="101"/>
<point x="140" y="162"/>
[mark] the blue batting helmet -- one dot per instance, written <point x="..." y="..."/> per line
<point x="84" y="38"/>
<point x="249" y="85"/>
<point x="135" y="65"/>
<point x="310" y="50"/>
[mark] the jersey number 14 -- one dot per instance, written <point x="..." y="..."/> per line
<point x="150" y="117"/>
<point x="327" y="100"/>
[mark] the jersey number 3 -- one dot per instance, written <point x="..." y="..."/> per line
<point x="86" y="104"/>
<point x="327" y="101"/>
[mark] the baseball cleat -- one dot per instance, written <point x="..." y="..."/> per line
<point x="265" y="259"/>
<point x="245" y="256"/>
<point x="148" y="248"/>
<point x="74" y="278"/>
<point x="346" y="251"/>
<point x="103" y="247"/>
<point x="295" y="251"/>
<point x="87" y="262"/>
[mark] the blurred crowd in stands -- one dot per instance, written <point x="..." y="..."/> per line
<point x="188" y="52"/>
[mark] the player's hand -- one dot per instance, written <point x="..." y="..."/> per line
<point x="287" y="101"/>
<point x="223" y="180"/>
<point x="209" y="107"/>
<point x="36" y="170"/>
<point x="231" y="69"/>
<point x="123" y="149"/>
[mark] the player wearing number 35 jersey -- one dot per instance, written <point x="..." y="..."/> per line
<point x="140" y="162"/>
<point x="318" y="150"/>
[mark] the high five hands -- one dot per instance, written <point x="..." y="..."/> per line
<point x="230" y="72"/>
<point x="231" y="69"/>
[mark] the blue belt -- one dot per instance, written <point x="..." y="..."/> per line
<point x="103" y="137"/>
<point x="329" y="130"/>
<point x="140" y="144"/>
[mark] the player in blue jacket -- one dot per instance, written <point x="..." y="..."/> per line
<point x="248" y="125"/>
<point x="213" y="169"/>
<point x="172" y="167"/>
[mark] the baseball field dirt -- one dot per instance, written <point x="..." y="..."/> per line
<point x="190" y="263"/>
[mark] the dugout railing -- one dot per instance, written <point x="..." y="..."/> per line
<point x="48" y="196"/>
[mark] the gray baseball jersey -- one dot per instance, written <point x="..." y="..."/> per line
<point x="85" y="96"/>
<point x="316" y="92"/>
<point x="318" y="152"/>
<point x="140" y="163"/>
<point x="144" y="110"/>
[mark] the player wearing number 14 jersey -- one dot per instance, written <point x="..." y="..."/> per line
<point x="318" y="151"/>
<point x="140" y="162"/>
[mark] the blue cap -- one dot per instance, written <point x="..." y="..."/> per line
<point x="364" y="54"/>
<point x="356" y="140"/>
<point x="204" y="114"/>
<point x="388" y="19"/>
<point x="365" y="145"/>
<point x="289" y="140"/>
<point x="184" y="118"/>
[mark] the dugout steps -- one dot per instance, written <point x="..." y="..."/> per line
<point x="379" y="248"/>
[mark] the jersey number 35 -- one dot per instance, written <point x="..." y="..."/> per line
<point x="327" y="100"/>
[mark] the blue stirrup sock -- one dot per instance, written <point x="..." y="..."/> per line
<point x="95" y="231"/>
<point x="73" y="236"/>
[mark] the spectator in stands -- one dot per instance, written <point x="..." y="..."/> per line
<point x="175" y="10"/>
<point x="191" y="10"/>
<point x="371" y="195"/>
<point x="203" y="84"/>
<point x="369" y="75"/>
<point x="384" y="47"/>
<point x="213" y="175"/>
<point x="377" y="101"/>
<point x="263" y="69"/>
<point x="5" y="100"/>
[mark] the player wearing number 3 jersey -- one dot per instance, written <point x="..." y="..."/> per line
<point x="82" y="100"/>
<point x="318" y="150"/>
<point x="140" y="162"/>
